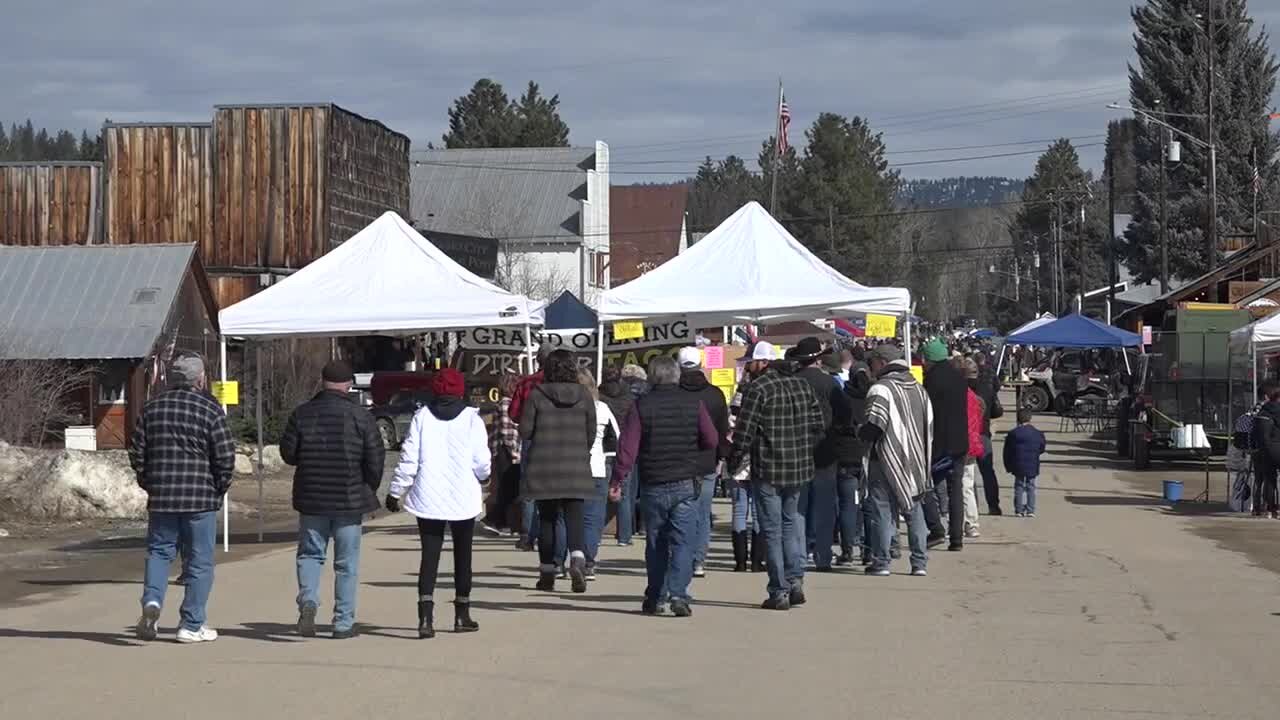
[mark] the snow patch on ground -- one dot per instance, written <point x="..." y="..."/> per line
<point x="69" y="484"/>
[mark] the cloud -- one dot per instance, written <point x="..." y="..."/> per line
<point x="665" y="82"/>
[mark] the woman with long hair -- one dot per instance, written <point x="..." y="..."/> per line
<point x="594" y="514"/>
<point x="559" y="424"/>
<point x="444" y="459"/>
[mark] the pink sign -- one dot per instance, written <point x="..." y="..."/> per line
<point x="1146" y="334"/>
<point x="713" y="357"/>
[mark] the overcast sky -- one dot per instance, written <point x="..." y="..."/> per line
<point x="664" y="82"/>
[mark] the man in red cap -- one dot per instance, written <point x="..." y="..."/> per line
<point x="338" y="453"/>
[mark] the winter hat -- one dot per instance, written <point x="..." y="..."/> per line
<point x="448" y="382"/>
<point x="689" y="358"/>
<point x="936" y="351"/>
<point x="887" y="352"/>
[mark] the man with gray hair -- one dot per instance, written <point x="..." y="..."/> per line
<point x="184" y="457"/>
<point x="663" y="438"/>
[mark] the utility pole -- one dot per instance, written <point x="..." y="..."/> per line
<point x="1164" y="217"/>
<point x="1112" y="275"/>
<point x="1211" y="236"/>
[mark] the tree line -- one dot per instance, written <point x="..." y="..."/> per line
<point x="24" y="143"/>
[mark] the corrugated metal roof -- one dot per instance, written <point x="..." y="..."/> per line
<point x="96" y="302"/>
<point x="526" y="194"/>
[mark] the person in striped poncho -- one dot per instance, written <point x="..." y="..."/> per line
<point x="898" y="431"/>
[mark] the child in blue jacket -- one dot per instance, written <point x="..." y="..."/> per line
<point x="1023" y="447"/>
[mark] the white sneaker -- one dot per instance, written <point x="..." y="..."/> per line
<point x="203" y="635"/>
<point x="149" y="623"/>
<point x="972" y="532"/>
<point x="699" y="570"/>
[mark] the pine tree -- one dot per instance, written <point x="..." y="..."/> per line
<point x="483" y="118"/>
<point x="4" y="145"/>
<point x="1172" y="43"/>
<point x="538" y="120"/>
<point x="719" y="189"/>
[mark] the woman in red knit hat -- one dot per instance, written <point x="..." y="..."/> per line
<point x="444" y="460"/>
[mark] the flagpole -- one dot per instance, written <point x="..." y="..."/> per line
<point x="777" y="155"/>
<point x="1256" y="183"/>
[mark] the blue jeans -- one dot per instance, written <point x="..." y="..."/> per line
<point x="197" y="532"/>
<point x="670" y="527"/>
<point x="848" y="510"/>
<point x="885" y="511"/>
<point x="626" y="509"/>
<point x="783" y="530"/>
<point x="743" y="513"/>
<point x="702" y="539"/>
<point x="593" y="519"/>
<point x="821" y="515"/>
<point x="314" y="533"/>
<point x="1024" y="494"/>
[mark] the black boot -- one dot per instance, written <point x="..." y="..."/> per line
<point x="462" y="622"/>
<point x="739" y="551"/>
<point x="757" y="552"/>
<point x="426" y="619"/>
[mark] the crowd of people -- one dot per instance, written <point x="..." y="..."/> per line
<point x="819" y="449"/>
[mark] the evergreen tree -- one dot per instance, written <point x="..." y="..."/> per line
<point x="1120" y="139"/>
<point x="843" y="197"/>
<point x="487" y="118"/>
<point x="1173" y="49"/>
<point x="1054" y="199"/>
<point x="4" y="144"/>
<point x="538" y="122"/>
<point x="719" y="189"/>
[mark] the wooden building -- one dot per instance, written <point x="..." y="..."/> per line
<point x="123" y="311"/>
<point x="262" y="190"/>
<point x="51" y="203"/>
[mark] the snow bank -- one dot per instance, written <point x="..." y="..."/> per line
<point x="69" y="484"/>
<point x="247" y="459"/>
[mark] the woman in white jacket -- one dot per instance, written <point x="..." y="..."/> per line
<point x="444" y="460"/>
<point x="595" y="510"/>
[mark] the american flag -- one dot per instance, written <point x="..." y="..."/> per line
<point x="784" y="123"/>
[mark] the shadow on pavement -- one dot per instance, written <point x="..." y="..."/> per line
<point x="120" y="639"/>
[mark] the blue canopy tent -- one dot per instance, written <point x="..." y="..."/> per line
<point x="1075" y="331"/>
<point x="569" y="313"/>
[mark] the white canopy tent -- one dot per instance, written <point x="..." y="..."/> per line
<point x="386" y="279"/>
<point x="1253" y="338"/>
<point x="748" y="270"/>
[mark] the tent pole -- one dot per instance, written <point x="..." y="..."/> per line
<point x="906" y="339"/>
<point x="600" y="352"/>
<point x="1000" y="360"/>
<point x="1253" y="360"/>
<point x="528" y="348"/>
<point x="257" y="420"/>
<point x="1127" y="367"/>
<point x="226" y="497"/>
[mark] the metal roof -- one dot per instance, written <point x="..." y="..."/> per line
<point x="87" y="302"/>
<point x="529" y="195"/>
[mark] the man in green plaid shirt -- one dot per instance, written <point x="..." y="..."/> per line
<point x="778" y="426"/>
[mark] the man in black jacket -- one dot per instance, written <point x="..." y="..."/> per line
<point x="1266" y="451"/>
<point x="849" y="453"/>
<point x="948" y="393"/>
<point x="819" y="505"/>
<point x="336" y="448"/>
<point x="693" y="380"/>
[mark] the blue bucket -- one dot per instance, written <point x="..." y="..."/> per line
<point x="1173" y="490"/>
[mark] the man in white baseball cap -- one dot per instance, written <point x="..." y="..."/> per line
<point x="693" y="380"/>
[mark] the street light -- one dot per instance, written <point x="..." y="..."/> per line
<point x="1212" y="234"/>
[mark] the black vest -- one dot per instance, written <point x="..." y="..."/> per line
<point x="669" y="435"/>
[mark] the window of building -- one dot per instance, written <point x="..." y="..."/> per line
<point x="111" y="384"/>
<point x="599" y="269"/>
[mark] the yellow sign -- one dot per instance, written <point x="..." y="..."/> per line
<point x="728" y="392"/>
<point x="226" y="392"/>
<point x="628" y="330"/>
<point x="724" y="377"/>
<point x="917" y="372"/>
<point x="882" y="326"/>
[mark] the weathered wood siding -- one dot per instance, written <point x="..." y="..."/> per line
<point x="159" y="184"/>
<point x="53" y="203"/>
<point x="293" y="181"/>
<point x="368" y="173"/>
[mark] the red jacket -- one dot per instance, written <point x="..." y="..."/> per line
<point x="976" y="416"/>
<point x="521" y="394"/>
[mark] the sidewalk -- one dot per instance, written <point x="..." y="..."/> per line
<point x="1097" y="608"/>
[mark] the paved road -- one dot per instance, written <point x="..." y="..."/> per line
<point x="1104" y="606"/>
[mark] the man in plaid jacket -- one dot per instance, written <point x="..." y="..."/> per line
<point x="778" y="427"/>
<point x="184" y="457"/>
